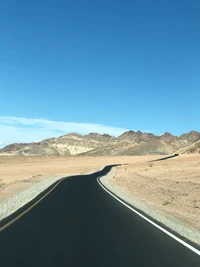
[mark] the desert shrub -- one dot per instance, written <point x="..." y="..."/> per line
<point x="166" y="202"/>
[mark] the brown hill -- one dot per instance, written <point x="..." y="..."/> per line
<point x="194" y="148"/>
<point x="137" y="137"/>
<point x="69" y="144"/>
<point x="149" y="148"/>
<point x="33" y="149"/>
<point x="94" y="144"/>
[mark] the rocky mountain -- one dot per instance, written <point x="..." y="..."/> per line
<point x="69" y="145"/>
<point x="94" y="144"/>
<point x="137" y="137"/>
<point x="194" y="148"/>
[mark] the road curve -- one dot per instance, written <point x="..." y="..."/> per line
<point x="79" y="224"/>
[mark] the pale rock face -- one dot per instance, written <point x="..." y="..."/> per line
<point x="94" y="144"/>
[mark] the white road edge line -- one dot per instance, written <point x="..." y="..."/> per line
<point x="151" y="222"/>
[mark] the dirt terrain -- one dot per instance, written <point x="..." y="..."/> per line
<point x="172" y="186"/>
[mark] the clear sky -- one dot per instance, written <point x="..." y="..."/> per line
<point x="98" y="66"/>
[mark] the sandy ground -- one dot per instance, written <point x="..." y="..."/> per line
<point x="172" y="186"/>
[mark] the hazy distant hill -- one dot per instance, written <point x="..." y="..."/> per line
<point x="94" y="144"/>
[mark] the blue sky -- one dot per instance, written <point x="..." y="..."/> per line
<point x="99" y="65"/>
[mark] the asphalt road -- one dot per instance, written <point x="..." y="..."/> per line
<point x="79" y="224"/>
<point x="173" y="156"/>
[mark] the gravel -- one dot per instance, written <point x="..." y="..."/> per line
<point x="12" y="204"/>
<point x="175" y="225"/>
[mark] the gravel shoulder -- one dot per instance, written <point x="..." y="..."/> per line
<point x="17" y="201"/>
<point x="169" y="221"/>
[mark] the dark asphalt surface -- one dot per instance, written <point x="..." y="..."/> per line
<point x="173" y="156"/>
<point x="79" y="224"/>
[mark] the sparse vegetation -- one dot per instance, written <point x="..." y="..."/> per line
<point x="150" y="164"/>
<point x="166" y="202"/>
<point x="37" y="175"/>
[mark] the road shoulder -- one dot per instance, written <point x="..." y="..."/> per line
<point x="176" y="226"/>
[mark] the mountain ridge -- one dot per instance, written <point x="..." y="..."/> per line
<point x="95" y="144"/>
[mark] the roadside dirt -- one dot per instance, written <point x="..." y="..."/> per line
<point x="172" y="186"/>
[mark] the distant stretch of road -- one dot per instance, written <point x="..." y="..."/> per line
<point x="79" y="224"/>
<point x="169" y="157"/>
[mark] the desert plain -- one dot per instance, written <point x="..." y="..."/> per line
<point x="171" y="186"/>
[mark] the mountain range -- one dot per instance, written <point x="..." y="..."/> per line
<point x="94" y="144"/>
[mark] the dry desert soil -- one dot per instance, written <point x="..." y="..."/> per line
<point x="171" y="186"/>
